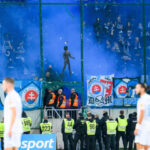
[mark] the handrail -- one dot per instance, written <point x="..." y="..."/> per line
<point x="52" y="112"/>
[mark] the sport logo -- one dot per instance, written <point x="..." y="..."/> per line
<point x="38" y="141"/>
<point x="30" y="96"/>
<point x="28" y="145"/>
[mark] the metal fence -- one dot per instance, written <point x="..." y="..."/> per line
<point x="53" y="113"/>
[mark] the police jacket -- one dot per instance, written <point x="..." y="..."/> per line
<point x="131" y="124"/>
<point x="121" y="117"/>
<point x="45" y="121"/>
<point x="103" y="123"/>
<point x="85" y="126"/>
<point x="98" y="126"/>
<point x="63" y="125"/>
<point x="79" y="125"/>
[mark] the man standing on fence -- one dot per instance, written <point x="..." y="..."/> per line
<point x="12" y="116"/>
<point x="67" y="130"/>
<point x="67" y="56"/>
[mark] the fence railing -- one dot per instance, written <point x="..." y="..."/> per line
<point x="53" y="113"/>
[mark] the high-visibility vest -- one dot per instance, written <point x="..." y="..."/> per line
<point x="68" y="124"/>
<point x="83" y="122"/>
<point x="63" y="105"/>
<point x="52" y="100"/>
<point x="111" y="127"/>
<point x="76" y="100"/>
<point x="91" y="127"/>
<point x="1" y="130"/>
<point x="46" y="128"/>
<point x="26" y="122"/>
<point x="122" y="124"/>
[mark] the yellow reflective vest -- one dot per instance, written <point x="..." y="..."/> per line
<point x="111" y="127"/>
<point x="91" y="127"/>
<point x="1" y="130"/>
<point x="122" y="124"/>
<point x="68" y="125"/>
<point x="46" y="128"/>
<point x="26" y="122"/>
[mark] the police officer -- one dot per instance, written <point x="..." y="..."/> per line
<point x="128" y="129"/>
<point x="90" y="130"/>
<point x="98" y="132"/>
<point x="121" y="130"/>
<point x="2" y="134"/>
<point x="67" y="130"/>
<point x="111" y="126"/>
<point x="103" y="127"/>
<point x="79" y="127"/>
<point x="46" y="126"/>
<point x="131" y="125"/>
<point x="26" y="122"/>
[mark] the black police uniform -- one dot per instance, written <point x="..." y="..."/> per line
<point x="132" y="124"/>
<point x="98" y="133"/>
<point x="121" y="134"/>
<point x="111" y="136"/>
<point x="79" y="127"/>
<point x="90" y="139"/>
<point x="128" y="129"/>
<point x="67" y="137"/>
<point x="103" y="127"/>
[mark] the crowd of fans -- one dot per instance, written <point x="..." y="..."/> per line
<point x="120" y="36"/>
<point x="13" y="51"/>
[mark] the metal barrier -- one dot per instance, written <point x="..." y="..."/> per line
<point x="53" y="113"/>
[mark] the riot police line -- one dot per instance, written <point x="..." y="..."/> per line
<point x="106" y="132"/>
<point x="84" y="133"/>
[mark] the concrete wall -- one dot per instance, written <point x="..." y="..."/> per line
<point x="35" y="116"/>
<point x="113" y="112"/>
